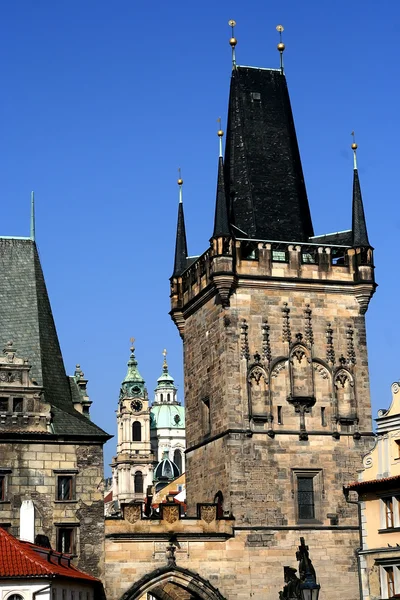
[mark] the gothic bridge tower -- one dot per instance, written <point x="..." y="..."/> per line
<point x="272" y="319"/>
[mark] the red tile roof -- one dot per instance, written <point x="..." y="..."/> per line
<point x="23" y="559"/>
<point x="373" y="483"/>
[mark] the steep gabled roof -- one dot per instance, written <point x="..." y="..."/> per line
<point x="180" y="244"/>
<point x="26" y="318"/>
<point x="263" y="173"/>
<point x="359" y="225"/>
<point x="221" y="218"/>
<point x="24" y="560"/>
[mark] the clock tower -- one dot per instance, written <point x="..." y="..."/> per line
<point x="132" y="468"/>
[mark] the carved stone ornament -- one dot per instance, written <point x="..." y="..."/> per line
<point x="286" y="333"/>
<point x="395" y="387"/>
<point x="244" y="340"/>
<point x="279" y="367"/>
<point x="170" y="513"/>
<point x="298" y="353"/>
<point x="322" y="371"/>
<point x="132" y="513"/>
<point x="256" y="373"/>
<point x="330" y="350"/>
<point x="207" y="513"/>
<point x="266" y="346"/>
<point x="10" y="376"/>
<point x="308" y="325"/>
<point x="342" y="377"/>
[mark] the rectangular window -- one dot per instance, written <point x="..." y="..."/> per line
<point x="3" y="405"/>
<point x="323" y="419"/>
<point x="280" y="422"/>
<point x="309" y="257"/>
<point x="388" y="502"/>
<point x="66" y="540"/>
<point x="3" y="482"/>
<point x="390" y="582"/>
<point x="305" y="497"/>
<point x="17" y="404"/>
<point x="65" y="487"/>
<point x="279" y="256"/>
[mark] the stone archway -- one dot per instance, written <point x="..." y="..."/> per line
<point x="172" y="583"/>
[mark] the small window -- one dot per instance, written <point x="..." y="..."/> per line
<point x="338" y="256"/>
<point x="64" y="595"/>
<point x="168" y="397"/>
<point x="65" y="487"/>
<point x="279" y="256"/>
<point x="323" y="416"/>
<point x="398" y="448"/>
<point x="305" y="497"/>
<point x="256" y="95"/>
<point x="390" y="581"/>
<point x="249" y="251"/>
<point x="3" y="487"/>
<point x="15" y="597"/>
<point x="310" y="257"/>
<point x="136" y="432"/>
<point x="3" y="405"/>
<point x="17" y="405"/>
<point x="280" y="421"/>
<point x="388" y="504"/>
<point x="54" y="593"/>
<point x="206" y="415"/>
<point x="66" y="540"/>
<point x="85" y="410"/>
<point x="162" y="397"/>
<point x="138" y="482"/>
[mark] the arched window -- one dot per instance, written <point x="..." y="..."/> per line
<point x="136" y="432"/>
<point x="178" y="460"/>
<point x="219" y="501"/>
<point x="162" y="397"/>
<point x="138" y="482"/>
<point x="15" y="597"/>
<point x="168" y="397"/>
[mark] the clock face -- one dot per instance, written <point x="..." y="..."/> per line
<point x="136" y="405"/>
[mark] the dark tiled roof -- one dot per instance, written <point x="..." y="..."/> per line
<point x="341" y="238"/>
<point x="263" y="173"/>
<point x="221" y="220"/>
<point x="22" y="559"/>
<point x="360" y="235"/>
<point x="180" y="244"/>
<point x="26" y="319"/>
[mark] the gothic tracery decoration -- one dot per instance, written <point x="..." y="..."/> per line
<point x="351" y="355"/>
<point x="330" y="350"/>
<point x="308" y="325"/>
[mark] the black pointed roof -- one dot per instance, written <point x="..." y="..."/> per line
<point x="263" y="173"/>
<point x="26" y="319"/>
<point x="181" y="253"/>
<point x="359" y="225"/>
<point x="221" y="219"/>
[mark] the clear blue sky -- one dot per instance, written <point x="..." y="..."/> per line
<point x="101" y="102"/>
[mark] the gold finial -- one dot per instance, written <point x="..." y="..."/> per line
<point x="233" y="41"/>
<point x="220" y="134"/>
<point x="132" y="341"/>
<point x="281" y="45"/>
<point x="165" y="358"/>
<point x="354" y="147"/>
<point x="180" y="180"/>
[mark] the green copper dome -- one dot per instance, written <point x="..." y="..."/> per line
<point x="170" y="416"/>
<point x="133" y="384"/>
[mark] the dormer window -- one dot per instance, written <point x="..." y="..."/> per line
<point x="3" y="405"/>
<point x="17" y="405"/>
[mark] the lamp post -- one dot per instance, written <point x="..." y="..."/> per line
<point x="309" y="588"/>
<point x="304" y="587"/>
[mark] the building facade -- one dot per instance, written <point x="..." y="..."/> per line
<point x="277" y="401"/>
<point x="378" y="490"/>
<point x="50" y="452"/>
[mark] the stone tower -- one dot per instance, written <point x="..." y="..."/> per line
<point x="132" y="467"/>
<point x="167" y="425"/>
<point x="272" y="320"/>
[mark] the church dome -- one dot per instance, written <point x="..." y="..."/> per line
<point x="170" y="416"/>
<point x="166" y="469"/>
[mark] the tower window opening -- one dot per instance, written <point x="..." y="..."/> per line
<point x="168" y="397"/>
<point x="206" y="415"/>
<point x="162" y="397"/>
<point x="66" y="540"/>
<point x="136" y="432"/>
<point x="323" y="416"/>
<point x="279" y="255"/>
<point x="256" y="95"/>
<point x="138" y="482"/>
<point x="178" y="460"/>
<point x="17" y="404"/>
<point x="3" y="404"/>
<point x="249" y="251"/>
<point x="280" y="421"/>
<point x="338" y="256"/>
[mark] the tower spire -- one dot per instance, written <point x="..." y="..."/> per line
<point x="33" y="216"/>
<point x="221" y="221"/>
<point x="180" y="244"/>
<point x="359" y="225"/>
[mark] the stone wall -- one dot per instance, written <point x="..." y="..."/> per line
<point x="32" y="469"/>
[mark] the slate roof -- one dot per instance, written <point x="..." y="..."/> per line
<point x="26" y="319"/>
<point x="340" y="238"/>
<point x="360" y="235"/>
<point x="221" y="218"/>
<point x="22" y="559"/>
<point x="180" y="244"/>
<point x="263" y="173"/>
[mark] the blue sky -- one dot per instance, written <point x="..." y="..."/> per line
<point x="102" y="101"/>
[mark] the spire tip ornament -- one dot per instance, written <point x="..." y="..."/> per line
<point x="281" y="45"/>
<point x="220" y="134"/>
<point x="354" y="147"/>
<point x="233" y="41"/>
